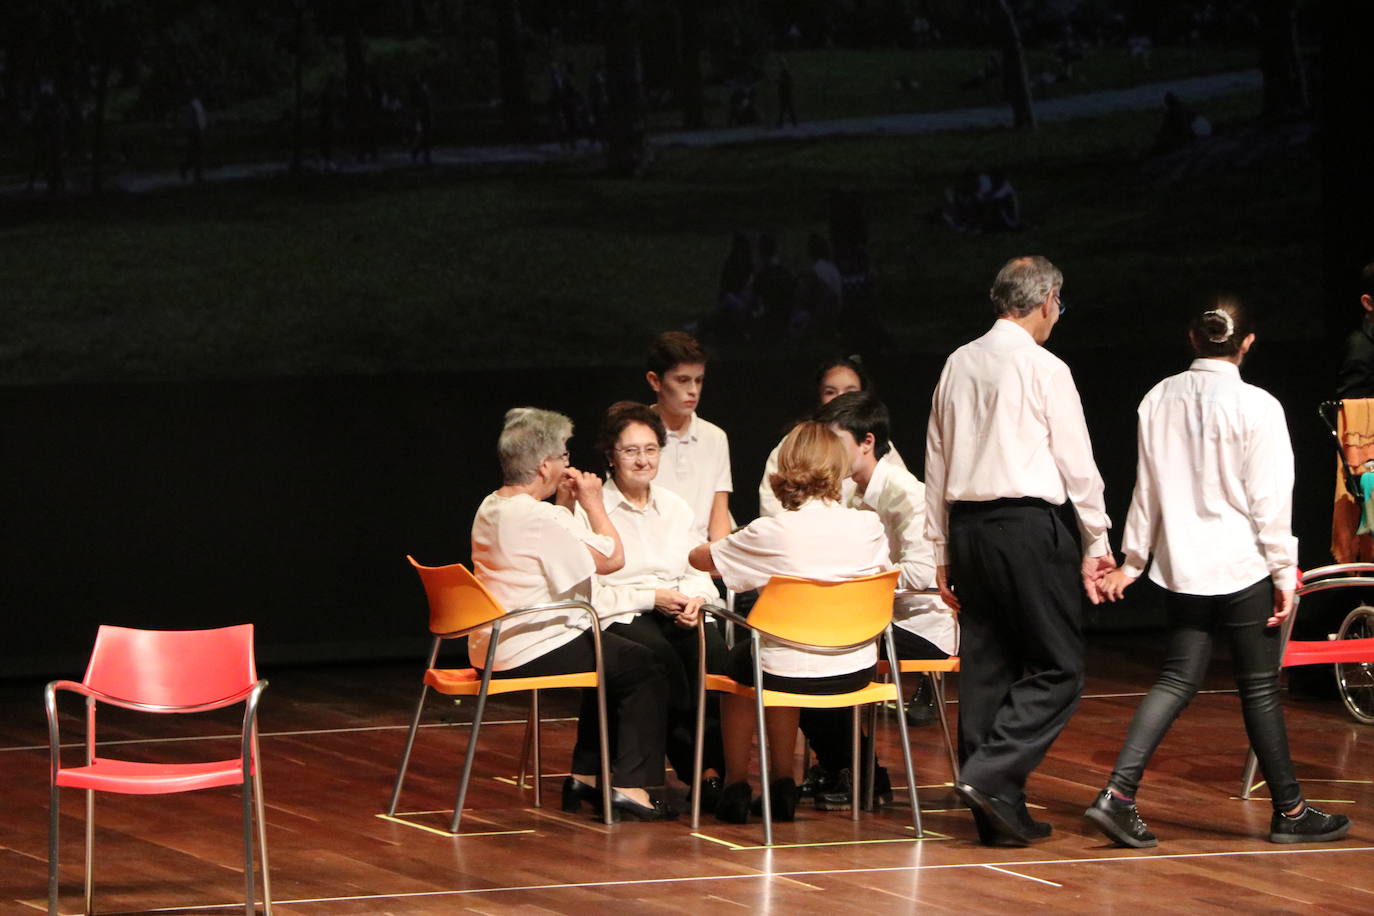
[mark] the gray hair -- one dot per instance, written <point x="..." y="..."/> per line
<point x="528" y="437"/>
<point x="1022" y="284"/>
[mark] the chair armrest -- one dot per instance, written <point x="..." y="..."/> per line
<point x="83" y="690"/>
<point x="583" y="606"/>
<point x="737" y="620"/>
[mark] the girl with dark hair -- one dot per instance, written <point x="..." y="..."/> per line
<point x="1212" y="506"/>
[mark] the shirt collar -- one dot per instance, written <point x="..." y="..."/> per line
<point x="690" y="434"/>
<point x="876" y="482"/>
<point x="613" y="498"/>
<point x="1010" y="331"/>
<point x="1223" y="366"/>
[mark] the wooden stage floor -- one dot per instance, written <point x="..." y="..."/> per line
<point x="331" y="737"/>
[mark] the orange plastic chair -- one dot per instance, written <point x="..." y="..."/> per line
<point x="1355" y="652"/>
<point x="163" y="671"/>
<point x="459" y="605"/>
<point x="810" y="614"/>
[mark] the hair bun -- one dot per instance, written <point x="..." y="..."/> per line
<point x="1218" y="325"/>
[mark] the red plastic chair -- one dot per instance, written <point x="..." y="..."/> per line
<point x="163" y="671"/>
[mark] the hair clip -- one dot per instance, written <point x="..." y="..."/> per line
<point x="1226" y="319"/>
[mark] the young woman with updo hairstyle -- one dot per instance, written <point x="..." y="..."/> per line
<point x="1211" y="518"/>
<point x="814" y="537"/>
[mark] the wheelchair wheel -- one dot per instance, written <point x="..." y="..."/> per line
<point x="1355" y="680"/>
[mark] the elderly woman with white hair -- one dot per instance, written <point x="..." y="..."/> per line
<point x="528" y="551"/>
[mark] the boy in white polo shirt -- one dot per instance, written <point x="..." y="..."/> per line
<point x="695" y="462"/>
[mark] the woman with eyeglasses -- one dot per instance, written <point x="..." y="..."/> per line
<point x="656" y="598"/>
<point x="1212" y="506"/>
<point x="528" y="551"/>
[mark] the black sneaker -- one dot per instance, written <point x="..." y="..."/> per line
<point x="837" y="793"/>
<point x="1120" y="821"/>
<point x="1312" y="826"/>
<point x="921" y="710"/>
<point x="816" y="776"/>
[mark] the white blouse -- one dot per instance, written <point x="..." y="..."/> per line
<point x="530" y="552"/>
<point x="656" y="540"/>
<point x="819" y="540"/>
<point x="1214" y="485"/>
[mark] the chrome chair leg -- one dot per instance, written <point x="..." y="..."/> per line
<point x="762" y="724"/>
<point x="410" y="737"/>
<point x="937" y="686"/>
<point x="54" y="813"/>
<point x="248" y="859"/>
<point x="532" y="738"/>
<point x="90" y="850"/>
<point x="858" y="795"/>
<point x="906" y="743"/>
<point x="525" y="748"/>
<point x="1247" y="783"/>
<point x="262" y="828"/>
<point x="471" y="754"/>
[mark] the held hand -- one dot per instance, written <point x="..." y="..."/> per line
<point x="1115" y="583"/>
<point x="1283" y="606"/>
<point x="690" y="614"/>
<point x="669" y="602"/>
<point x="946" y="588"/>
<point x="1093" y="569"/>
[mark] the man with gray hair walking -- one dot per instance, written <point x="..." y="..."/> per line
<point x="1007" y="446"/>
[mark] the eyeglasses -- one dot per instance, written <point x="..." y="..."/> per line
<point x="634" y="451"/>
<point x="1062" y="307"/>
<point x="563" y="455"/>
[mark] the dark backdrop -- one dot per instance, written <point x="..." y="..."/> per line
<point x="292" y="503"/>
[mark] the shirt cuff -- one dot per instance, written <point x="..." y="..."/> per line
<point x="941" y="554"/>
<point x="1097" y="546"/>
<point x="1286" y="578"/>
<point x="644" y="598"/>
<point x="1134" y="570"/>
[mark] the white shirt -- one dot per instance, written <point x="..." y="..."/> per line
<point x="530" y="552"/>
<point x="1214" y="485"/>
<point x="1006" y="421"/>
<point x="819" y="540"/>
<point x="656" y="540"/>
<point x="899" y="498"/>
<point x="768" y="500"/>
<point x="695" y="464"/>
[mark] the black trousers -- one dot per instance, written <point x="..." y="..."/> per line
<point x="636" y="693"/>
<point x="675" y="652"/>
<point x="1195" y="621"/>
<point x="829" y="731"/>
<point x="1015" y="567"/>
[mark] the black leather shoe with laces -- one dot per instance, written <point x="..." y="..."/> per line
<point x="1311" y="826"/>
<point x="1120" y="821"/>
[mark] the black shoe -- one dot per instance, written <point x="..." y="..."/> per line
<point x="837" y="794"/>
<point x="921" y="710"/>
<point x="733" y="807"/>
<point x="1000" y="823"/>
<point x="1036" y="830"/>
<point x="782" y="800"/>
<point x="1312" y="826"/>
<point x="711" y="787"/>
<point x="816" y="777"/>
<point x="575" y="792"/>
<point x="624" y="806"/>
<point x="1120" y="821"/>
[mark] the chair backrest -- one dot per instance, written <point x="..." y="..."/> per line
<point x="457" y="600"/>
<point x="825" y="613"/>
<point x="172" y="667"/>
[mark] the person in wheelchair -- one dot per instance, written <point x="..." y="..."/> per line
<point x="1212" y="506"/>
